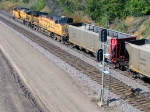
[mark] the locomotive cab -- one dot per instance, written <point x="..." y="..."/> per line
<point x="16" y="13"/>
<point x="64" y="20"/>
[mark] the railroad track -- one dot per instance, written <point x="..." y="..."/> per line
<point x="115" y="86"/>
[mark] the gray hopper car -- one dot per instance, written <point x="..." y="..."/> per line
<point x="86" y="36"/>
<point x="139" y="56"/>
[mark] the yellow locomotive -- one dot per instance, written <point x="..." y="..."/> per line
<point x="15" y="13"/>
<point x="22" y="15"/>
<point x="52" y="25"/>
<point x="19" y="12"/>
<point x="55" y="25"/>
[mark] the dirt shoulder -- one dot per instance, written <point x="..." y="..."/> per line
<point x="12" y="97"/>
<point x="49" y="84"/>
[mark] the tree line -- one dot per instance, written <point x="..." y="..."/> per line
<point x="103" y="11"/>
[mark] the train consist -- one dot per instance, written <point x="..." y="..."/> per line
<point x="52" y="25"/>
<point x="126" y="52"/>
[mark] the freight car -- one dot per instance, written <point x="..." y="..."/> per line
<point x="86" y="36"/>
<point x="139" y="56"/>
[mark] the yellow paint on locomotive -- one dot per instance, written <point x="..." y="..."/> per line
<point x="16" y="14"/>
<point x="51" y="26"/>
<point x="42" y="22"/>
<point x="35" y="20"/>
<point x="29" y="17"/>
<point x="22" y="15"/>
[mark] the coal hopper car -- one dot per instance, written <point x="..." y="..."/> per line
<point x="86" y="36"/>
<point x="139" y="57"/>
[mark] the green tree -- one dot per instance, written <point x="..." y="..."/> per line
<point x="137" y="7"/>
<point x="94" y="9"/>
<point x="26" y="1"/>
<point x="40" y="4"/>
<point x="71" y="6"/>
<point x="105" y="10"/>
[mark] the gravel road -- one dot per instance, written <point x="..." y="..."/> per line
<point x="12" y="98"/>
<point x="53" y="89"/>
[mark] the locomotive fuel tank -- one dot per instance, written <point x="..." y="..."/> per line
<point x="139" y="56"/>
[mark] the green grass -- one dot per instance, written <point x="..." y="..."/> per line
<point x="147" y="32"/>
<point x="121" y="26"/>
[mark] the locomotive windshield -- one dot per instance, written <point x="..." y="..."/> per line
<point x="65" y="20"/>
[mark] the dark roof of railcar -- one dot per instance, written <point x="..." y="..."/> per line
<point x="22" y="8"/>
<point x="53" y="17"/>
<point x="35" y="13"/>
<point x="43" y="13"/>
<point x="140" y="42"/>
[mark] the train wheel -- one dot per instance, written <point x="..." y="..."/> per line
<point x="120" y="67"/>
<point x="135" y="76"/>
<point x="94" y="54"/>
<point x="49" y="34"/>
<point x="55" y="38"/>
<point x="87" y="51"/>
<point x="73" y="45"/>
<point x="70" y="45"/>
<point x="62" y="42"/>
<point x="81" y="48"/>
<point x="52" y="35"/>
<point x="24" y="22"/>
<point x="116" y="66"/>
<point x="37" y="29"/>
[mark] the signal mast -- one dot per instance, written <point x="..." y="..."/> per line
<point x="101" y="53"/>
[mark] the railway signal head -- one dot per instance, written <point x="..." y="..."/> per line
<point x="99" y="55"/>
<point x="103" y="35"/>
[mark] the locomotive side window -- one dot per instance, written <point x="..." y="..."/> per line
<point x="65" y="20"/>
<point x="69" y="20"/>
